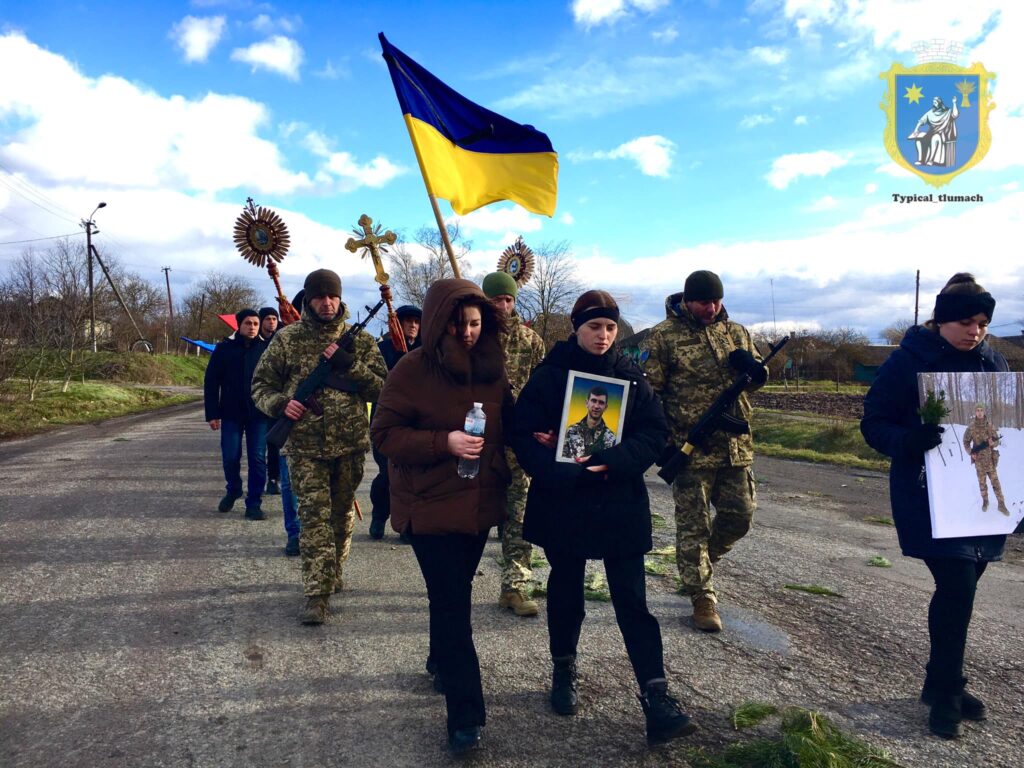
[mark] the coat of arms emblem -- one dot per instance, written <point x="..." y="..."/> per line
<point x="937" y="113"/>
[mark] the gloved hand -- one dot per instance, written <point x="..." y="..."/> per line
<point x="742" y="361"/>
<point x="922" y="438"/>
<point x="344" y="355"/>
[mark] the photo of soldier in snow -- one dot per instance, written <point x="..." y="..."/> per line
<point x="981" y="440"/>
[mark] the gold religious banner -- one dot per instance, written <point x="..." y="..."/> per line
<point x="374" y="240"/>
<point x="262" y="238"/>
<point x="518" y="261"/>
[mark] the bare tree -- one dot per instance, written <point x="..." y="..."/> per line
<point x="218" y="294"/>
<point x="411" y="276"/>
<point x="551" y="290"/>
<point x="894" y="333"/>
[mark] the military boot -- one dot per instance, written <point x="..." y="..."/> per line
<point x="665" y="719"/>
<point x="984" y="503"/>
<point x="705" y="615"/>
<point x="514" y="601"/>
<point x="564" y="698"/>
<point x="1003" y="509"/>
<point x="316" y="611"/>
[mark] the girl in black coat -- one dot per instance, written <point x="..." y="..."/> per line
<point x="596" y="508"/>
<point x="952" y="341"/>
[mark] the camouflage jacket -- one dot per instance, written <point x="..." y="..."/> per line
<point x="981" y="433"/>
<point x="293" y="353"/>
<point x="688" y="367"/>
<point x="581" y="440"/>
<point x="524" y="350"/>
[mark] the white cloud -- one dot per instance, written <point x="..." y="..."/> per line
<point x="826" y="203"/>
<point x="894" y="170"/>
<point x="504" y="220"/>
<point x="278" y="54"/>
<point x="590" y="13"/>
<point x="196" y="37"/>
<point x="349" y="173"/>
<point x="870" y="188"/>
<point x="1011" y="186"/>
<point x="770" y="56"/>
<point x="789" y="168"/>
<point x="567" y="218"/>
<point x="652" y="154"/>
<point x="266" y="24"/>
<point x="666" y="35"/>
<point x="752" y="121"/>
<point x="800" y="120"/>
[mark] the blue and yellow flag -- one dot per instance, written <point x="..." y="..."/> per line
<point x="469" y="155"/>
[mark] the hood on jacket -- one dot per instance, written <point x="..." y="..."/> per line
<point x="928" y="346"/>
<point x="676" y="307"/>
<point x="438" y="305"/>
<point x="485" y="361"/>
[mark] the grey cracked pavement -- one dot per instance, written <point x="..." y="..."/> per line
<point x="140" y="627"/>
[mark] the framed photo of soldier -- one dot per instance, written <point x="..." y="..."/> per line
<point x="593" y="414"/>
<point x="975" y="486"/>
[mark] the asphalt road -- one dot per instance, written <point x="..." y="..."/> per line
<point x="139" y="627"/>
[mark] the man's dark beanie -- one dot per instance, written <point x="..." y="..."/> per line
<point x="241" y="314"/>
<point x="408" y="310"/>
<point x="703" y="285"/>
<point x="322" y="282"/>
<point x="268" y="311"/>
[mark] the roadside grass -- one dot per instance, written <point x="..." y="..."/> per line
<point x="750" y="713"/>
<point x="817" y="386"/>
<point x="656" y="568"/>
<point x="139" y="368"/>
<point x="879" y="562"/>
<point x="817" y="439"/>
<point x="81" y="404"/>
<point x="813" y="589"/>
<point x="595" y="587"/>
<point x="807" y="740"/>
<point x="537" y="561"/>
<point x="879" y="520"/>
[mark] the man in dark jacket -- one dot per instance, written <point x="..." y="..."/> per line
<point x="380" y="492"/>
<point x="269" y="320"/>
<point x="230" y="409"/>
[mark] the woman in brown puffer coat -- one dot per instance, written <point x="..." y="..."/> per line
<point x="418" y="427"/>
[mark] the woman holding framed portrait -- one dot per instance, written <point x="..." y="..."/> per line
<point x="589" y="501"/>
<point x="952" y="341"/>
<point x="418" y="426"/>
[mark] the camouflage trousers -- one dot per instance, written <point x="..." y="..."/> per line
<point x="326" y="489"/>
<point x="701" y="539"/>
<point x="987" y="472"/>
<point x="516" y="553"/>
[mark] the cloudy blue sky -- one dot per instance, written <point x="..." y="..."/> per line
<point x="743" y="137"/>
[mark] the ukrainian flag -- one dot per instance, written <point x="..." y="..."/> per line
<point x="469" y="155"/>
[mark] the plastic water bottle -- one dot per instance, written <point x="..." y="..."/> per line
<point x="476" y="420"/>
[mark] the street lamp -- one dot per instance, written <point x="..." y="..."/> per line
<point x="89" y="224"/>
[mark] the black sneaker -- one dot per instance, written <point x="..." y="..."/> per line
<point x="291" y="549"/>
<point x="665" y="719"/>
<point x="273" y="488"/>
<point x="376" y="529"/>
<point x="254" y="512"/>
<point x="228" y="502"/>
<point x="463" y="740"/>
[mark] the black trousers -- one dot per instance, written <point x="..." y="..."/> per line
<point x="380" y="490"/>
<point x="273" y="463"/>
<point x="448" y="563"/>
<point x="628" y="587"/>
<point x="949" y="615"/>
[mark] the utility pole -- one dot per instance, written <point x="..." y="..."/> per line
<point x="199" y="325"/>
<point x="89" y="224"/>
<point x="917" y="295"/>
<point x="170" y="307"/>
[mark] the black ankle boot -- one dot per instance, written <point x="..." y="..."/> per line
<point x="463" y="740"/>
<point x="665" y="719"/>
<point x="971" y="707"/>
<point x="563" y="685"/>
<point x="944" y="718"/>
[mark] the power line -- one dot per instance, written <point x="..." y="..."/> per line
<point x="38" y="205"/>
<point x="35" y="191"/>
<point x="37" y="239"/>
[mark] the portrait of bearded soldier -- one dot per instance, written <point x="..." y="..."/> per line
<point x="980" y="441"/>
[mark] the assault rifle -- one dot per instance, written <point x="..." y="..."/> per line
<point x="305" y="393"/>
<point x="979" y="447"/>
<point x="715" y="418"/>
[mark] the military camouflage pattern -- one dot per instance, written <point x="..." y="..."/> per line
<point x="516" y="553"/>
<point x="581" y="440"/>
<point x="292" y="354"/>
<point x="688" y="367"/>
<point x="326" y="489"/>
<point x="981" y="433"/>
<point x="700" y="539"/>
<point x="524" y="350"/>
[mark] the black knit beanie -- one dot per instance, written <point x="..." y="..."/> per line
<point x="322" y="282"/>
<point x="268" y="311"/>
<point x="703" y="285"/>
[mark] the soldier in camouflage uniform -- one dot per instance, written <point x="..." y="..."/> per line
<point x="589" y="434"/>
<point x="980" y="440"/>
<point x="325" y="452"/>
<point x="694" y="354"/>
<point x="523" y="350"/>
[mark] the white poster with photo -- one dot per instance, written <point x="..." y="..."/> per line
<point x="975" y="482"/>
